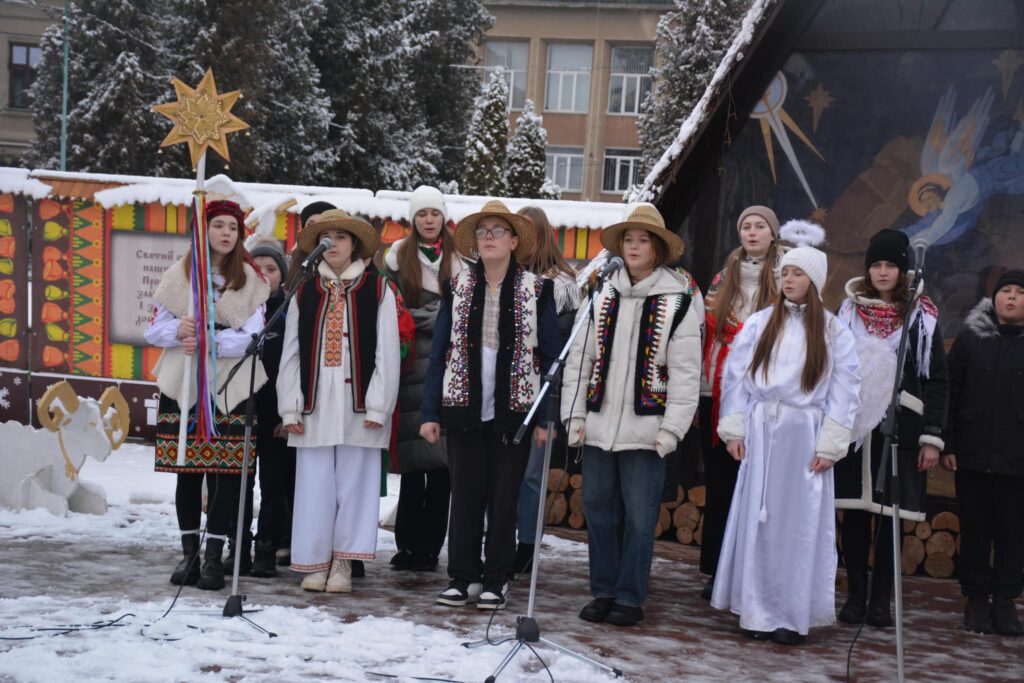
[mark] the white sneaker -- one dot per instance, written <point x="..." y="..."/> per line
<point x="340" y="580"/>
<point x="316" y="582"/>
<point x="459" y="594"/>
<point x="493" y="598"/>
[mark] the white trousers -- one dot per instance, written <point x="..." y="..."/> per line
<point x="337" y="504"/>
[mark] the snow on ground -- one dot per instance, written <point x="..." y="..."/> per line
<point x="85" y="569"/>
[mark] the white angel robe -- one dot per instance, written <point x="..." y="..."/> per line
<point x="778" y="563"/>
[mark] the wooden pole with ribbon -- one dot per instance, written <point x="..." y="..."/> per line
<point x="202" y="118"/>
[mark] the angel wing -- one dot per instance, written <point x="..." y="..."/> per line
<point x="958" y="152"/>
<point x="938" y="132"/>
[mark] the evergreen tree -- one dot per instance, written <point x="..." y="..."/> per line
<point x="526" y="164"/>
<point x="487" y="139"/>
<point x="270" y="62"/>
<point x="114" y="76"/>
<point x="444" y="89"/>
<point x="691" y="42"/>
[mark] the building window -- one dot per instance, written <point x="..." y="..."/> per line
<point x="622" y="168"/>
<point x="565" y="167"/>
<point x="513" y="57"/>
<point x="630" y="79"/>
<point x="21" y="66"/>
<point x="568" y="86"/>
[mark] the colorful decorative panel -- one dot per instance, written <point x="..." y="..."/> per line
<point x="13" y="281"/>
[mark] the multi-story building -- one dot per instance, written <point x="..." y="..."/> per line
<point x="585" y="65"/>
<point x="21" y="26"/>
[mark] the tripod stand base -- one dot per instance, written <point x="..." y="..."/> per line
<point x="233" y="607"/>
<point x="528" y="633"/>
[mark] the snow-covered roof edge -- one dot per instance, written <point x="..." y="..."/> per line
<point x="17" y="181"/>
<point x="752" y="21"/>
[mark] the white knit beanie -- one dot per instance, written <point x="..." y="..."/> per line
<point x="426" y="197"/>
<point x="813" y="262"/>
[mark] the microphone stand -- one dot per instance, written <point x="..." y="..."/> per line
<point x="890" y="457"/>
<point x="527" y="629"/>
<point x="233" y="606"/>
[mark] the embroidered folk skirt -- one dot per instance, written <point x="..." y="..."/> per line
<point x="224" y="454"/>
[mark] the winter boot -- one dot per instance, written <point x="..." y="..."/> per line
<point x="1004" y="618"/>
<point x="880" y="604"/>
<point x="315" y="582"/>
<point x="402" y="560"/>
<point x="187" y="571"/>
<point x="211" y="578"/>
<point x="855" y="608"/>
<point x="265" y="565"/>
<point x="246" y="565"/>
<point x="423" y="563"/>
<point x="284" y="556"/>
<point x="340" y="578"/>
<point x="978" y="615"/>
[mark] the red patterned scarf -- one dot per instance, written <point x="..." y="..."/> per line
<point x="881" y="320"/>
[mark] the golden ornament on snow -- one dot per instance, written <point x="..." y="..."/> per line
<point x="202" y="117"/>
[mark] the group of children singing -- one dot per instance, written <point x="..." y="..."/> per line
<point x="789" y="399"/>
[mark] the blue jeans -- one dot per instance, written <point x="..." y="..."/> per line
<point x="529" y="494"/>
<point x="621" y="497"/>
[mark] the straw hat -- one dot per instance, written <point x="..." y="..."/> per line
<point x="644" y="216"/>
<point x="339" y="219"/>
<point x="465" y="231"/>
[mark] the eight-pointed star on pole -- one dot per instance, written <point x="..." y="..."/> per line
<point x="202" y="117"/>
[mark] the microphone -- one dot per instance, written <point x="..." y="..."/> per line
<point x="317" y="253"/>
<point x="920" y="246"/>
<point x="610" y="266"/>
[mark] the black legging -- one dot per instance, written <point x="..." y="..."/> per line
<point x="856" y="537"/>
<point x="720" y="472"/>
<point x="188" y="501"/>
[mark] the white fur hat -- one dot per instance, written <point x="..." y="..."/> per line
<point x="813" y="262"/>
<point x="426" y="197"/>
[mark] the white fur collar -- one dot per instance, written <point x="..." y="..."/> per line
<point x="232" y="309"/>
<point x="982" y="319"/>
<point x="354" y="270"/>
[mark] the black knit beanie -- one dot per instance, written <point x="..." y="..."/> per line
<point x="312" y="209"/>
<point x="1010" y="277"/>
<point x="889" y="245"/>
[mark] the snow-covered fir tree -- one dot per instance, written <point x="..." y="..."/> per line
<point x="487" y="139"/>
<point x="443" y="88"/>
<point x="525" y="164"/>
<point x="368" y="52"/>
<point x="271" y="63"/>
<point x="114" y="76"/>
<point x="691" y="41"/>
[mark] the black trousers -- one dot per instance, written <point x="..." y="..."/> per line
<point x="221" y="491"/>
<point x="422" y="520"/>
<point x="720" y="472"/>
<point x="276" y="473"/>
<point x="485" y="473"/>
<point x="991" y="520"/>
<point x="855" y="531"/>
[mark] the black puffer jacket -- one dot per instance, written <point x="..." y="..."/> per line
<point x="985" y="429"/>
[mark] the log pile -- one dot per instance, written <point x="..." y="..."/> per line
<point x="929" y="547"/>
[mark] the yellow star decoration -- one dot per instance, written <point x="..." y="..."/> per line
<point x="819" y="100"/>
<point x="202" y="117"/>
<point x="1007" y="64"/>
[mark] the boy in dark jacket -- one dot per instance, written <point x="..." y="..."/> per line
<point x="983" y="447"/>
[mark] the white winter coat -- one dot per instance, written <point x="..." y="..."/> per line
<point x="616" y="427"/>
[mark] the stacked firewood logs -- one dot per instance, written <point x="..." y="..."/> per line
<point x="929" y="547"/>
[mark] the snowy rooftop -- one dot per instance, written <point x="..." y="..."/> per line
<point x="752" y="21"/>
<point x="264" y="200"/>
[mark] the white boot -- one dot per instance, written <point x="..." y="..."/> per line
<point x="340" y="580"/>
<point x="315" y="581"/>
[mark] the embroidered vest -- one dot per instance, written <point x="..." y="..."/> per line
<point x="518" y="367"/>
<point x="362" y="301"/>
<point x="660" y="315"/>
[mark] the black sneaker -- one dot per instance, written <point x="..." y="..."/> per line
<point x="493" y="597"/>
<point x="783" y="636"/>
<point x="1004" y="618"/>
<point x="624" y="615"/>
<point x="459" y="593"/>
<point x="597" y="609"/>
